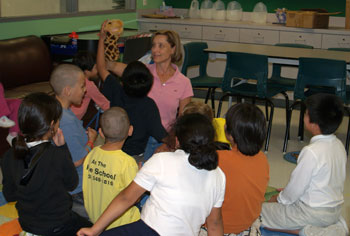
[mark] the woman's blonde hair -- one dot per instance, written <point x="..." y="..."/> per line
<point x="174" y="40"/>
<point x="198" y="107"/>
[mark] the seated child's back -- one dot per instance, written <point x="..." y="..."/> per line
<point x="108" y="170"/>
<point x="245" y="166"/>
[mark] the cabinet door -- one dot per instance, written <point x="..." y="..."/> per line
<point x="258" y="36"/>
<point x="220" y="34"/>
<point x="152" y="27"/>
<point x="188" y="31"/>
<point x="301" y="38"/>
<point x="335" y="41"/>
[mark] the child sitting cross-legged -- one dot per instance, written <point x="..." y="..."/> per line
<point x="311" y="202"/>
<point x="108" y="170"/>
<point x="246" y="169"/>
<point x="68" y="83"/>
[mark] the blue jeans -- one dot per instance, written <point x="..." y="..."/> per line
<point x="138" y="228"/>
<point x="151" y="147"/>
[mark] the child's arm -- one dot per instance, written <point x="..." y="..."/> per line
<point x="100" y="57"/>
<point x="116" y="208"/>
<point x="214" y="222"/>
<point x="300" y="178"/>
<point x="94" y="93"/>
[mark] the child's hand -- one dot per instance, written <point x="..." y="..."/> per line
<point x="273" y="198"/>
<point x="58" y="139"/>
<point x="86" y="232"/>
<point x="92" y="134"/>
<point x="102" y="33"/>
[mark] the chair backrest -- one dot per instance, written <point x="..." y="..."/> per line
<point x="294" y="45"/>
<point x="195" y="56"/>
<point x="276" y="68"/>
<point x="246" y="66"/>
<point x="340" y="49"/>
<point x="317" y="72"/>
<point x="135" y="48"/>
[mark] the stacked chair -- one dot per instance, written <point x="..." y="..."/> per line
<point x="196" y="56"/>
<point x="243" y="68"/>
<point x="316" y="75"/>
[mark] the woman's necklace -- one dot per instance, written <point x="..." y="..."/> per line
<point x="164" y="77"/>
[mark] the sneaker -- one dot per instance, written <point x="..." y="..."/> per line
<point x="6" y="122"/>
<point x="10" y="138"/>
<point x="332" y="230"/>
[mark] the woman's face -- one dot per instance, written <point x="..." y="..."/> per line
<point x="161" y="49"/>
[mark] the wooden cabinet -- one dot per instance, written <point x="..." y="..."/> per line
<point x="301" y="38"/>
<point x="258" y="36"/>
<point x="335" y="41"/>
<point x="152" y="27"/>
<point x="220" y="34"/>
<point x="188" y="31"/>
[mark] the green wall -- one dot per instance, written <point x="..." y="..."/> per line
<point x="248" y="5"/>
<point x="67" y="25"/>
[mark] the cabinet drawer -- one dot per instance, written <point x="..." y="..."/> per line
<point x="335" y="41"/>
<point x="220" y="34"/>
<point x="188" y="31"/>
<point x="301" y="38"/>
<point x="258" y="36"/>
<point x="151" y="27"/>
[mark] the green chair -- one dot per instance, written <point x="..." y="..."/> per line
<point x="316" y="75"/>
<point x="196" y="56"/>
<point x="276" y="79"/>
<point x="347" y="101"/>
<point x="241" y="69"/>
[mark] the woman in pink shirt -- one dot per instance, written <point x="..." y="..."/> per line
<point x="171" y="90"/>
<point x="87" y="62"/>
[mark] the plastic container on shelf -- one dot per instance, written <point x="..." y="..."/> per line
<point x="194" y="10"/>
<point x="219" y="12"/>
<point x="234" y="11"/>
<point x="206" y="9"/>
<point x="259" y="14"/>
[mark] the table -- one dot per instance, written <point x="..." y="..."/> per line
<point x="278" y="54"/>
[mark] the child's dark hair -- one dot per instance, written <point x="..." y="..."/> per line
<point x="85" y="60"/>
<point x="137" y="79"/>
<point x="247" y="126"/>
<point x="196" y="134"/>
<point x="325" y="110"/>
<point x="35" y="115"/>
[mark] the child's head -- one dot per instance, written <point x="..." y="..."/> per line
<point x="324" y="110"/>
<point x="68" y="83"/>
<point x="246" y="128"/>
<point x="115" y="124"/>
<point x="137" y="80"/>
<point x="86" y="61"/>
<point x="195" y="134"/>
<point x="38" y="115"/>
<point x="198" y="107"/>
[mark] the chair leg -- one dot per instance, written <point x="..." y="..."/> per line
<point x="213" y="99"/>
<point x="266" y="111"/>
<point x="348" y="133"/>
<point x="286" y="134"/>
<point x="287" y="106"/>
<point x="269" y="125"/>
<point x="301" y="122"/>
<point x="289" y="119"/>
<point x="207" y="96"/>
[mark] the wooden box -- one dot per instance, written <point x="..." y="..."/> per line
<point x="308" y="19"/>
